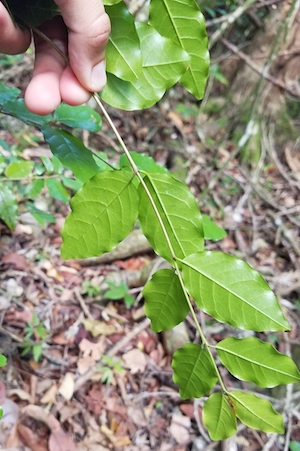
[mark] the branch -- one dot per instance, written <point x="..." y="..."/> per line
<point x="275" y="81"/>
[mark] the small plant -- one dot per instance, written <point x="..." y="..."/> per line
<point x="112" y="365"/>
<point x="117" y="292"/>
<point x="143" y="60"/>
<point x="90" y="289"/>
<point x="35" y="334"/>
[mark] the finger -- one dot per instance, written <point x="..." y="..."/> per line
<point x="43" y="95"/>
<point x="89" y="29"/>
<point x="13" y="39"/>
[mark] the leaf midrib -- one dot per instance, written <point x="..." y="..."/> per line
<point x="254" y="363"/>
<point x="231" y="292"/>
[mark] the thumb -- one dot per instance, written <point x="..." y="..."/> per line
<point x="89" y="29"/>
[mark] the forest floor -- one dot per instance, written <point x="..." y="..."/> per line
<point x="104" y="379"/>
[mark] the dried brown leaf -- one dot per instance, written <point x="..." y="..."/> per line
<point x="135" y="360"/>
<point x="67" y="386"/>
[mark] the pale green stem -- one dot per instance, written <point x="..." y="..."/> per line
<point x="141" y="180"/>
<point x="178" y="272"/>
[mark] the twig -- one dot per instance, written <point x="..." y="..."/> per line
<point x="83" y="304"/>
<point x="230" y="19"/>
<point x="218" y="20"/>
<point x="268" y="141"/>
<point x="199" y="424"/>
<point x="275" y="81"/>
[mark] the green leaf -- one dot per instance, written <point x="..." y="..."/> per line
<point x="180" y="215"/>
<point x="163" y="61"/>
<point x="81" y="116"/>
<point x="17" y="108"/>
<point x="103" y="213"/>
<point x="2" y="360"/>
<point x="211" y="230"/>
<point x="111" y="2"/>
<point x="32" y="12"/>
<point x="72" y="153"/>
<point x="194" y="371"/>
<point x="48" y="163"/>
<point x="183" y="23"/>
<point x="251" y="359"/>
<point x="72" y="184"/>
<point x="256" y="413"/>
<point x="8" y="94"/>
<point x="8" y="206"/>
<point x="57" y="190"/>
<point x="165" y="302"/>
<point x="41" y="216"/>
<point x="37" y="351"/>
<point x="232" y="292"/>
<point x="294" y="446"/>
<point x="143" y="162"/>
<point x="219" y="417"/>
<point x="19" y="169"/>
<point x="123" y="53"/>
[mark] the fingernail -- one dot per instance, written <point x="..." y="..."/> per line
<point x="98" y="77"/>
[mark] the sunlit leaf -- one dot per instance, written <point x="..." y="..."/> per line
<point x="81" y="116"/>
<point x="2" y="360"/>
<point x="183" y="22"/>
<point x="256" y="412"/>
<point x="251" y="359"/>
<point x="19" y="169"/>
<point x="219" y="417"/>
<point x="123" y="53"/>
<point x="103" y="213"/>
<point x="143" y="162"/>
<point x="211" y="230"/>
<point x="179" y="213"/>
<point x="163" y="62"/>
<point x="72" y="153"/>
<point x="8" y="206"/>
<point x="165" y="302"/>
<point x="194" y="371"/>
<point x="231" y="291"/>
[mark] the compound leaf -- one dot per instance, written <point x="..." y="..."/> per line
<point x="8" y="206"/>
<point x="251" y="359"/>
<point x="232" y="292"/>
<point x="194" y="371"/>
<point x="165" y="305"/>
<point x="219" y="417"/>
<point x="179" y="213"/>
<point x="104" y="211"/>
<point x="123" y="53"/>
<point x="81" y="116"/>
<point x="183" y="23"/>
<point x="72" y="153"/>
<point x="163" y="63"/>
<point x="256" y="413"/>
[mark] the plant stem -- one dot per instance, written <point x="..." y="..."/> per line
<point x="175" y="259"/>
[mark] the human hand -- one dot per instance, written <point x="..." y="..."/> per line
<point x="81" y="32"/>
